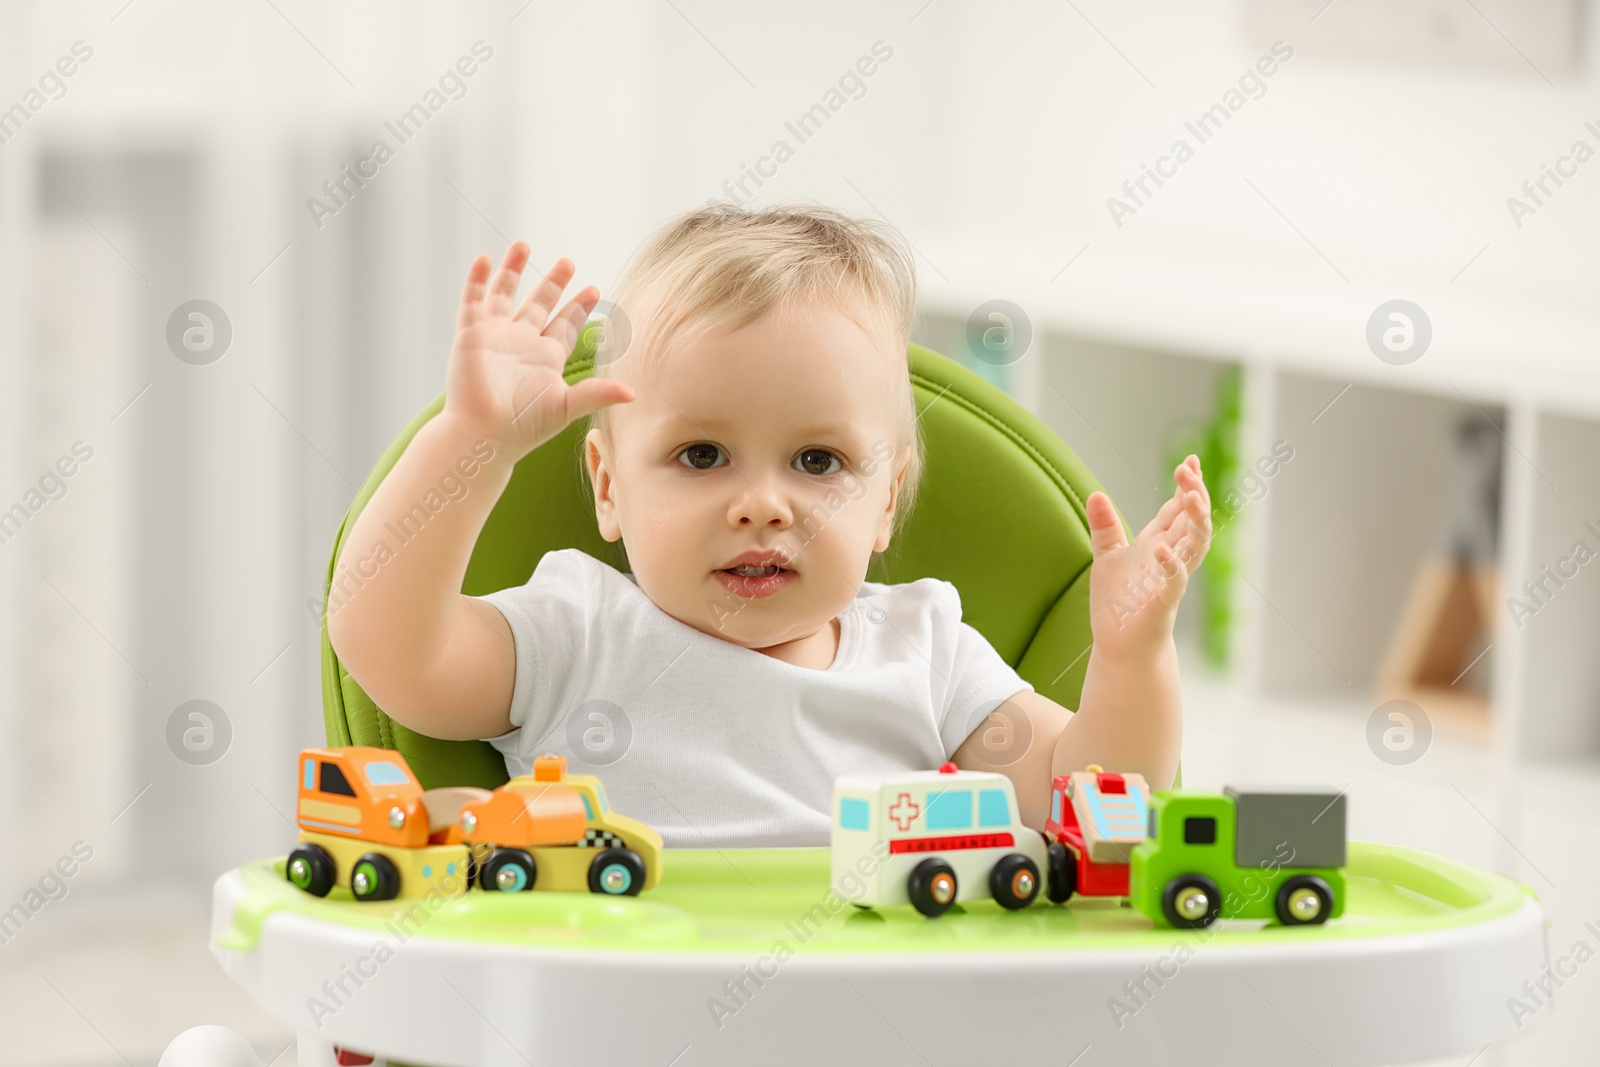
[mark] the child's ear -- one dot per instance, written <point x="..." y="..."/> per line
<point x="605" y="504"/>
<point x="886" y="528"/>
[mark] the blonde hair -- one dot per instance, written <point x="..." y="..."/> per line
<point x="724" y="266"/>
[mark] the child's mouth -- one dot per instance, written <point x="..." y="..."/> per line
<point x="752" y="582"/>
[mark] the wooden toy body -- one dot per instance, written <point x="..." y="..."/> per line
<point x="886" y="826"/>
<point x="1245" y="868"/>
<point x="563" y="823"/>
<point x="367" y="824"/>
<point x="358" y="802"/>
<point x="1099" y="817"/>
<point x="368" y="794"/>
<point x="423" y="870"/>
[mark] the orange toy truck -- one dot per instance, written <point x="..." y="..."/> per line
<point x="367" y="824"/>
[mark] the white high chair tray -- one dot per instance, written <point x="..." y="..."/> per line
<point x="744" y="955"/>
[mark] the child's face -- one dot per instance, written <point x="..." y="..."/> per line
<point x="784" y="436"/>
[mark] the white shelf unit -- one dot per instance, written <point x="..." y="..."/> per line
<point x="1132" y="342"/>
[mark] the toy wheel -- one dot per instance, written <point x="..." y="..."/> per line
<point x="311" y="869"/>
<point x="1303" y="900"/>
<point x="1191" y="902"/>
<point x="509" y="870"/>
<point x="1063" y="874"/>
<point x="1014" y="881"/>
<point x="932" y="887"/>
<point x="374" y="877"/>
<point x="617" y="872"/>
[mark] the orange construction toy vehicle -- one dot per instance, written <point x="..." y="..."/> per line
<point x="367" y="824"/>
<point x="554" y="830"/>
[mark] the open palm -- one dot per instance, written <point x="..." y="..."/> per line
<point x="1136" y="620"/>
<point x="504" y="379"/>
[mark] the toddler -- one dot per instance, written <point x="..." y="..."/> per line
<point x="752" y="443"/>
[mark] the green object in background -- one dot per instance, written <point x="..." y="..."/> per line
<point x="1216" y="442"/>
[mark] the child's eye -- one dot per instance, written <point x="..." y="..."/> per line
<point x="817" y="460"/>
<point x="701" y="457"/>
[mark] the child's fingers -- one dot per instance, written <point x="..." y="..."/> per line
<point x="1198" y="507"/>
<point x="1105" y="529"/>
<point x="1190" y="477"/>
<point x="503" y="288"/>
<point x="1184" y="475"/>
<point x="1191" y="552"/>
<point x="1174" y="568"/>
<point x="472" y="292"/>
<point x="1171" y="511"/>
<point x="1194" y="531"/>
<point x="1163" y="517"/>
<point x="1166" y="561"/>
<point x="541" y="299"/>
<point x="1190" y="518"/>
<point x="568" y="322"/>
<point x="1190" y="496"/>
<point x="592" y="394"/>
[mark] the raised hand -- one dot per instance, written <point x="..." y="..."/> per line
<point x="1134" y="589"/>
<point x="504" y="379"/>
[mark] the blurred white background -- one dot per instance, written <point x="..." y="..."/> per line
<point x="183" y="559"/>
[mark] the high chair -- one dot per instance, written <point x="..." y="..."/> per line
<point x="744" y="954"/>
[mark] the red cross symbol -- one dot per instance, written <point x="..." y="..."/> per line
<point x="904" y="811"/>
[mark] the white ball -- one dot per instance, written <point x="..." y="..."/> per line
<point x="209" y="1046"/>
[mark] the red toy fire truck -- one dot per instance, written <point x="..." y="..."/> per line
<point x="1096" y="817"/>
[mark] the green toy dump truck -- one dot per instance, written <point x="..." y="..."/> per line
<point x="1241" y="854"/>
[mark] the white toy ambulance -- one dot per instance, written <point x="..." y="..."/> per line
<point x="931" y="838"/>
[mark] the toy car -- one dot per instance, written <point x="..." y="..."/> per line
<point x="1096" y="818"/>
<point x="931" y="837"/>
<point x="555" y="830"/>
<point x="1243" y="854"/>
<point x="366" y="823"/>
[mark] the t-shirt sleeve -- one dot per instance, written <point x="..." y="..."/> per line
<point x="978" y="680"/>
<point x="550" y="618"/>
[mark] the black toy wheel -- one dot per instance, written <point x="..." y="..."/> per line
<point x="1014" y="881"/>
<point x="1063" y="880"/>
<point x="509" y="870"/>
<point x="1303" y="900"/>
<point x="932" y="887"/>
<point x="1191" y="902"/>
<point x="310" y="868"/>
<point x="374" y="877"/>
<point x="617" y="872"/>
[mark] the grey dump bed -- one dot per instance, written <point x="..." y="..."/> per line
<point x="1273" y="820"/>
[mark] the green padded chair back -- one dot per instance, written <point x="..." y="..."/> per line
<point x="999" y="515"/>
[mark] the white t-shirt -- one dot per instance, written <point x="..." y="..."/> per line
<point x="714" y="744"/>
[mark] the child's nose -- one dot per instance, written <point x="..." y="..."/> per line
<point x="761" y="504"/>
